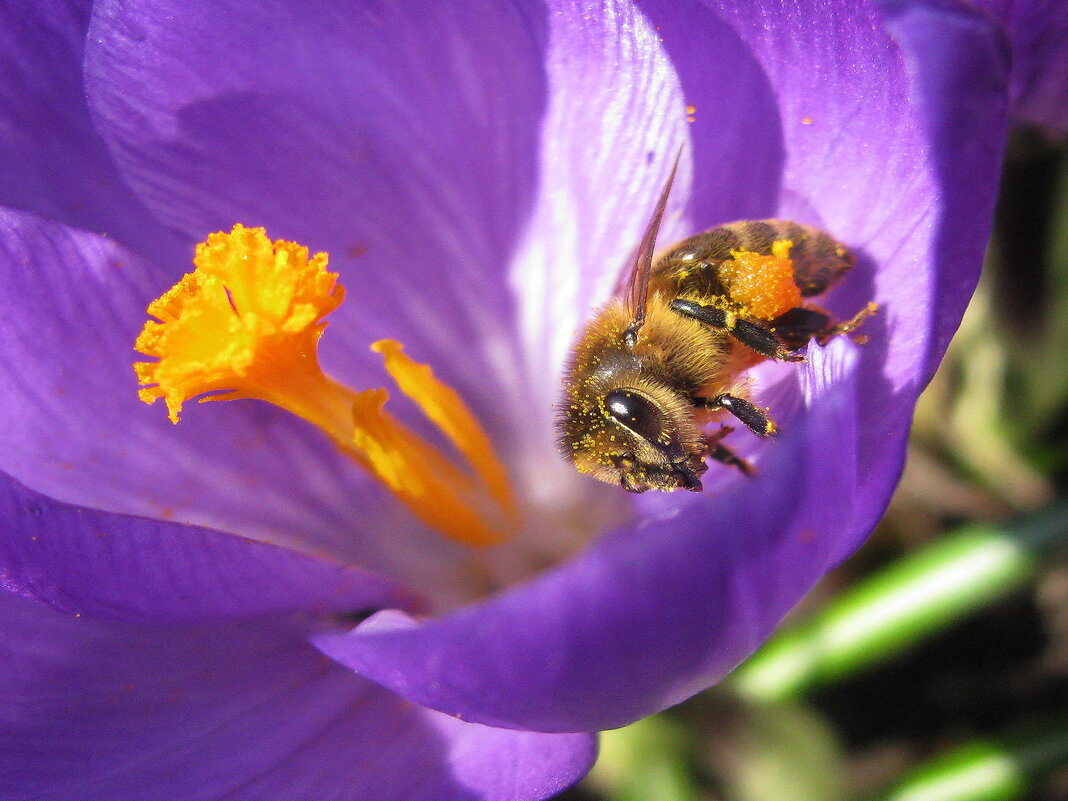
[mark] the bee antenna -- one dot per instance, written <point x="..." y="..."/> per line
<point x="643" y="263"/>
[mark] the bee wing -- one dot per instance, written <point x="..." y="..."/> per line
<point x="638" y="285"/>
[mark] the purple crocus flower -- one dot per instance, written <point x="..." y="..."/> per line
<point x="230" y="608"/>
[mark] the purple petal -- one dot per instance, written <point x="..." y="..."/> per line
<point x="55" y="164"/>
<point x="820" y="129"/>
<point x="74" y="429"/>
<point x="645" y="617"/>
<point x="98" y="564"/>
<point x="893" y="145"/>
<point x="958" y="66"/>
<point x="615" y="120"/>
<point x="614" y="124"/>
<point x="95" y="710"/>
<point x="1039" y="35"/>
<point x="398" y="138"/>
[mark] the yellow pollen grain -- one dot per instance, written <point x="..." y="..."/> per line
<point x="246" y="323"/>
<point x="762" y="284"/>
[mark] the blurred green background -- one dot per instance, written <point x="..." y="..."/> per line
<point x="933" y="665"/>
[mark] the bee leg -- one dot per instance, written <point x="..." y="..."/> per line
<point x="760" y="338"/>
<point x="755" y="419"/>
<point x="849" y="325"/>
<point x="799" y="325"/>
<point x="724" y="455"/>
<point x="719" y="434"/>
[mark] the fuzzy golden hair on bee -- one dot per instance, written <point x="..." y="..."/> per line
<point x="672" y="357"/>
<point x="655" y="366"/>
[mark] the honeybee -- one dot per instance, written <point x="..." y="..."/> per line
<point x="659" y="363"/>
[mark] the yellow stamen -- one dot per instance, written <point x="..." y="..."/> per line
<point x="444" y="407"/>
<point x="763" y="285"/>
<point x="246" y="323"/>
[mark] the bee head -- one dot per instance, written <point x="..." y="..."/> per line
<point x="639" y="435"/>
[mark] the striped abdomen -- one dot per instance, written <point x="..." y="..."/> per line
<point x="692" y="265"/>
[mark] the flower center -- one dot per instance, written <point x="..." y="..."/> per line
<point x="763" y="285"/>
<point x="246" y="323"/>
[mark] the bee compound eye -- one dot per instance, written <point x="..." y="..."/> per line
<point x="636" y="412"/>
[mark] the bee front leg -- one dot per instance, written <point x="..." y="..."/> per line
<point x="715" y="449"/>
<point x="753" y="335"/>
<point x="755" y="418"/>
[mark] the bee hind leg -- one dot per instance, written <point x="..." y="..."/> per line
<point x="849" y="325"/>
<point x="797" y="326"/>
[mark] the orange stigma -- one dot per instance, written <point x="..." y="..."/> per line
<point x="246" y="323"/>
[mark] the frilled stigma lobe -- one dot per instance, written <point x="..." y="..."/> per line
<point x="246" y="323"/>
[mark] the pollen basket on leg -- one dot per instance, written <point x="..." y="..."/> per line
<point x="762" y="283"/>
<point x="246" y="323"/>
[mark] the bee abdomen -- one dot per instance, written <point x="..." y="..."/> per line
<point x="818" y="259"/>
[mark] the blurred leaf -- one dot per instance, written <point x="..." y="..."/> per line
<point x="909" y="600"/>
<point x="785" y="751"/>
<point x="987" y="770"/>
<point x="979" y="421"/>
<point x="646" y="761"/>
